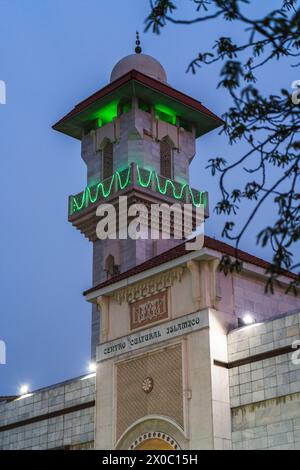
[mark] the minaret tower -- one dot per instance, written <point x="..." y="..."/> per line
<point x="137" y="139"/>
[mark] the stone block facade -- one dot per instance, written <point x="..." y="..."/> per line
<point x="265" y="390"/>
<point x="56" y="417"/>
<point x="261" y="380"/>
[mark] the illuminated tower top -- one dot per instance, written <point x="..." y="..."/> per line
<point x="136" y="119"/>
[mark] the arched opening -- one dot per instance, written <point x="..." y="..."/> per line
<point x="153" y="433"/>
<point x="166" y="159"/>
<point x="111" y="268"/>
<point x="107" y="160"/>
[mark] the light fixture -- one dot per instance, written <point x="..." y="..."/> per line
<point x="24" y="389"/>
<point x="248" y="319"/>
<point x="92" y="367"/>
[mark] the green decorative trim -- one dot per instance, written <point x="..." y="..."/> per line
<point x="91" y="194"/>
<point x="178" y="193"/>
<point x="122" y="178"/>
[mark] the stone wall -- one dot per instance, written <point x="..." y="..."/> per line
<point x="265" y="392"/>
<point x="60" y="416"/>
<point x="271" y="424"/>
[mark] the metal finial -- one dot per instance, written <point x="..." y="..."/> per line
<point x="138" y="48"/>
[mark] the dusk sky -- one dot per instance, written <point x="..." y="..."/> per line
<point x="53" y="54"/>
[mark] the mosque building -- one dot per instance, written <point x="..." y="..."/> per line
<point x="186" y="356"/>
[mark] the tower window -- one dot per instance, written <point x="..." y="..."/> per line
<point x="107" y="157"/>
<point x="111" y="268"/>
<point x="165" y="159"/>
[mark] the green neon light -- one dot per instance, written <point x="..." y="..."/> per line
<point x="86" y="197"/>
<point x="91" y="194"/>
<point x="106" y="114"/>
<point x="178" y="193"/>
<point x="165" y="113"/>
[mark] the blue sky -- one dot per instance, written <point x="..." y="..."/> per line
<point x="54" y="53"/>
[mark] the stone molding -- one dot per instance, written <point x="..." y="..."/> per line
<point x="148" y="287"/>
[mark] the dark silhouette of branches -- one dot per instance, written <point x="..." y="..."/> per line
<point x="269" y="124"/>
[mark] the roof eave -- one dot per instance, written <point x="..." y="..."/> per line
<point x="67" y="124"/>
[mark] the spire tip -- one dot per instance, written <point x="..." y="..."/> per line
<point x="138" y="48"/>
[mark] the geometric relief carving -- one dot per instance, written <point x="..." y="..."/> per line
<point x="149" y="310"/>
<point x="149" y="286"/>
<point x="147" y="384"/>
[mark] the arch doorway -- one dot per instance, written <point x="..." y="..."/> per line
<point x="154" y="441"/>
<point x="153" y="433"/>
<point x="154" y="444"/>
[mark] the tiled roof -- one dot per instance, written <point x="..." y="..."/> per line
<point x="179" y="251"/>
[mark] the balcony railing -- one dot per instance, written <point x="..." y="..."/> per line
<point x="133" y="175"/>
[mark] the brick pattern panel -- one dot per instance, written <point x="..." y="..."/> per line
<point x="166" y="397"/>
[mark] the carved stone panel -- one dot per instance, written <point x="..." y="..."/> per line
<point x="149" y="310"/>
<point x="149" y="286"/>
